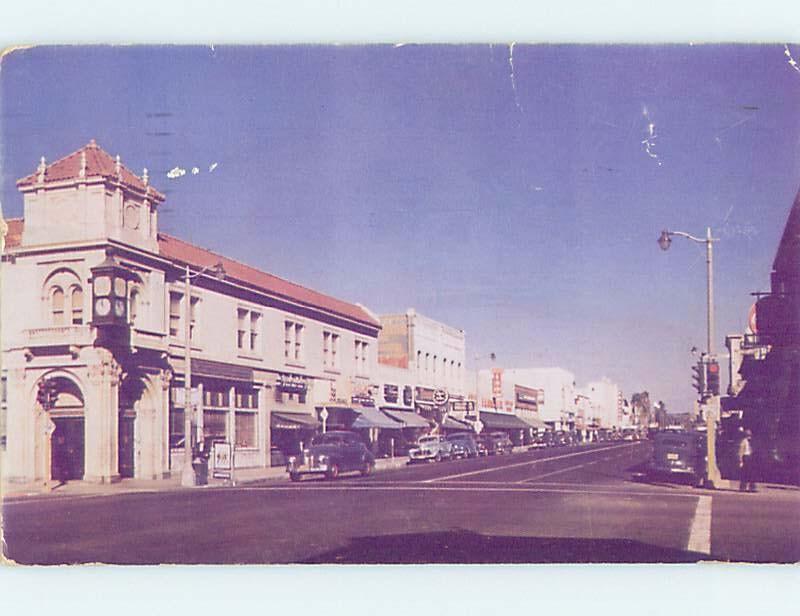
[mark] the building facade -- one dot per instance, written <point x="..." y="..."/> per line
<point x="434" y="353"/>
<point x="95" y="336"/>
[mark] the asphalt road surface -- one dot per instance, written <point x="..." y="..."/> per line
<point x="566" y="505"/>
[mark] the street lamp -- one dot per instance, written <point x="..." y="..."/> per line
<point x="188" y="478"/>
<point x="712" y="409"/>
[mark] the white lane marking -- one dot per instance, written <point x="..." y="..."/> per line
<point x="529" y="462"/>
<point x="563" y="470"/>
<point x="451" y="488"/>
<point x="700" y="533"/>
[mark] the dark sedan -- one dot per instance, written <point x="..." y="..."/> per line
<point x="679" y="454"/>
<point x="464" y="445"/>
<point x="331" y="454"/>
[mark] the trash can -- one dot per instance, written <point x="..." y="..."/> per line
<point x="200" y="466"/>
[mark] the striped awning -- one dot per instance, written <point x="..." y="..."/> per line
<point x="408" y="418"/>
<point x="293" y="421"/>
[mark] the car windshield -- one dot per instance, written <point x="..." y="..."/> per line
<point x="327" y="439"/>
<point x="428" y="439"/>
<point x="673" y="442"/>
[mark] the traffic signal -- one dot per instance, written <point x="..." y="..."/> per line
<point x="712" y="377"/>
<point x="699" y="377"/>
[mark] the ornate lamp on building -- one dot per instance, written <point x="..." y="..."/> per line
<point x="109" y="293"/>
<point x="110" y="302"/>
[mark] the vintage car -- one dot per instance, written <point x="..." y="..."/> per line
<point x="330" y="454"/>
<point x="432" y="447"/>
<point x="498" y="443"/>
<point x="463" y="444"/>
<point x="678" y="454"/>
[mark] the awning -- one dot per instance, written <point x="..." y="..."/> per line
<point x="408" y="419"/>
<point x="451" y="423"/>
<point x="502" y="421"/>
<point x="372" y="418"/>
<point x="534" y="422"/>
<point x="293" y="421"/>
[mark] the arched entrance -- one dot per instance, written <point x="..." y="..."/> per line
<point x="131" y="395"/>
<point x="67" y="440"/>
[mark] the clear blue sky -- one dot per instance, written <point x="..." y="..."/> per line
<point x="524" y="210"/>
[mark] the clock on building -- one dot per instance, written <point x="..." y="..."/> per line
<point x="109" y="293"/>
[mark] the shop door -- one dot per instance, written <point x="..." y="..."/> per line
<point x="66" y="461"/>
<point x="125" y="446"/>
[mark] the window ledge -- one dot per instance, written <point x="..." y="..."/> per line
<point x="332" y="371"/>
<point x="245" y="355"/>
<point x="294" y="364"/>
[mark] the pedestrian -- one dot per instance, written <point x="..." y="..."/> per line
<point x="746" y="470"/>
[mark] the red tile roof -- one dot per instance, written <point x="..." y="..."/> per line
<point x="175" y="249"/>
<point x="14" y="234"/>
<point x="184" y="252"/>
<point x="99" y="163"/>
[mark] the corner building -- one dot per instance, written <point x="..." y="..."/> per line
<point x="93" y="337"/>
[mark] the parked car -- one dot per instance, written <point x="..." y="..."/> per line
<point x="541" y="441"/>
<point x="432" y="447"/>
<point x="464" y="445"/>
<point x="680" y="454"/>
<point x="480" y="443"/>
<point x="330" y="454"/>
<point x="497" y="443"/>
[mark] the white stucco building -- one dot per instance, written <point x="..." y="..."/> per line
<point x="554" y="389"/>
<point x="605" y="400"/>
<point x="434" y="353"/>
<point x="93" y="337"/>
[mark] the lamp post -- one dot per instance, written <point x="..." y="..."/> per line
<point x="188" y="478"/>
<point x="712" y="408"/>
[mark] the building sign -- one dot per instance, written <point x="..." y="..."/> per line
<point x="497" y="381"/>
<point x="391" y="393"/>
<point x="363" y="396"/>
<point x="289" y="384"/>
<point x="223" y="459"/>
<point x="408" y="396"/>
<point x="440" y="397"/>
<point x="425" y="394"/>
<point x="526" y="397"/>
<point x="463" y="406"/>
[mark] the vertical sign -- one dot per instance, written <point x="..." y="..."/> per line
<point x="497" y="381"/>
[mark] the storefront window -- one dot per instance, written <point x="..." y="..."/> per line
<point x="245" y="429"/>
<point x="214" y="425"/>
<point x="176" y="427"/>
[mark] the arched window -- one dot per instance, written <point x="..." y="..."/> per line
<point x="57" y="306"/>
<point x="77" y="306"/>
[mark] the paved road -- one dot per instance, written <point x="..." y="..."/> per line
<point x="572" y="504"/>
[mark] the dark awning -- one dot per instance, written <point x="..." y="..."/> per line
<point x="293" y="421"/>
<point x="502" y="421"/>
<point x="221" y="370"/>
<point x="451" y="423"/>
<point x="407" y="418"/>
<point x="369" y="417"/>
<point x="534" y="422"/>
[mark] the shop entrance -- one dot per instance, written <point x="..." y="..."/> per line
<point x="67" y="449"/>
<point x="126" y="452"/>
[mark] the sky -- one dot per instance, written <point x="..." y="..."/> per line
<point x="516" y="192"/>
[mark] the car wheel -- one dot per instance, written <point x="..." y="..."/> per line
<point x="294" y="477"/>
<point x="333" y="471"/>
<point x="366" y="471"/>
<point x="438" y="457"/>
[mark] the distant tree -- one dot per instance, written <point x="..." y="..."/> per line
<point x="641" y="408"/>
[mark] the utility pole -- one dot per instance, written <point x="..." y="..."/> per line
<point x="711" y="406"/>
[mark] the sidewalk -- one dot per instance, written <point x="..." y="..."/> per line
<point x="243" y="476"/>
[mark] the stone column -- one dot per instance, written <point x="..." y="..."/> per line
<point x="101" y="418"/>
<point x="162" y="407"/>
<point x="231" y="427"/>
<point x="264" y="434"/>
<point x="23" y="436"/>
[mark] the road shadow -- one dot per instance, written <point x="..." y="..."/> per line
<point x="462" y="546"/>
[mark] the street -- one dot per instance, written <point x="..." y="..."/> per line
<point x="565" y="505"/>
